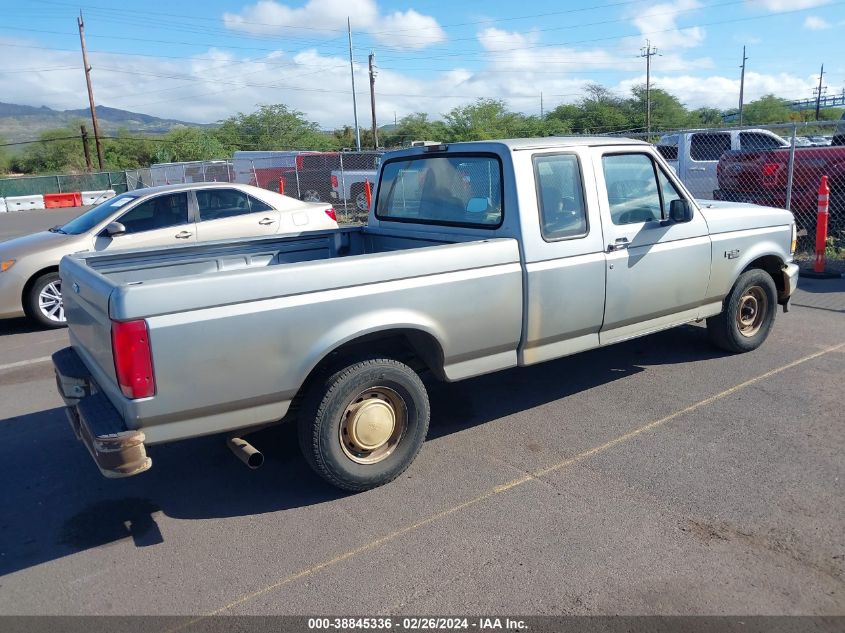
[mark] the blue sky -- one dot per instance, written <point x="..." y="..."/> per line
<point x="203" y="61"/>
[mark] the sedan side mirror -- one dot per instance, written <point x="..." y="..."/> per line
<point x="680" y="210"/>
<point x="115" y="228"/>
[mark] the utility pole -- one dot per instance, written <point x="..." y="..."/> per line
<point x="90" y="91"/>
<point x="85" y="149"/>
<point x="373" y="99"/>
<point x="648" y="52"/>
<point x="354" y="104"/>
<point x="819" y="93"/>
<point x="742" y="84"/>
<point x="541" y="104"/>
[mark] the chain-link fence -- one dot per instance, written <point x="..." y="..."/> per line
<point x="63" y="183"/>
<point x="774" y="165"/>
<point x="337" y="178"/>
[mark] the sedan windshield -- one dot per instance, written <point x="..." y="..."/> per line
<point x="95" y="216"/>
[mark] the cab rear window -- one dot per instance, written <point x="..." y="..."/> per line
<point x="453" y="190"/>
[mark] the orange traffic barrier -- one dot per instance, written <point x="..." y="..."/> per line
<point x="282" y="186"/>
<point x="821" y="224"/>
<point x="61" y="200"/>
<point x="368" y="192"/>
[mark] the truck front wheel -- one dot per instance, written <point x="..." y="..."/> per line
<point x="748" y="315"/>
<point x="362" y="426"/>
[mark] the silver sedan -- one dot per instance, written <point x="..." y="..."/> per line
<point x="158" y="216"/>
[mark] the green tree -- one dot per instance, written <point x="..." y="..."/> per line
<point x="56" y="150"/>
<point x="414" y="127"/>
<point x="127" y="151"/>
<point x="766" y="109"/>
<point x="667" y="112"/>
<point x="272" y="127"/>
<point x="190" y="143"/>
<point x="482" y="120"/>
<point x="707" y="117"/>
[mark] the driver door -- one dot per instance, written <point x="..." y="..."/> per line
<point x="163" y="220"/>
<point x="657" y="269"/>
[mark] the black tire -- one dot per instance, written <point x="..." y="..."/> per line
<point x="325" y="415"/>
<point x="745" y="322"/>
<point x="40" y="304"/>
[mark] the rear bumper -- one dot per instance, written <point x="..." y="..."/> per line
<point x="117" y="451"/>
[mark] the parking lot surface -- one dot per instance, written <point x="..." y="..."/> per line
<point x="658" y="476"/>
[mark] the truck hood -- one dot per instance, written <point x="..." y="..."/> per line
<point x="723" y="217"/>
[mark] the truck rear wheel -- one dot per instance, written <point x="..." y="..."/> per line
<point x="363" y="425"/>
<point x="748" y="315"/>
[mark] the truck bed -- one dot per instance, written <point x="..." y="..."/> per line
<point x="275" y="293"/>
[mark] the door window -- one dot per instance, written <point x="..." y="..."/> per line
<point x="755" y="140"/>
<point x="157" y="213"/>
<point x="709" y="146"/>
<point x="632" y="191"/>
<point x="215" y="204"/>
<point x="560" y="196"/>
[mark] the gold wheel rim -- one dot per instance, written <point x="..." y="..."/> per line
<point x="372" y="425"/>
<point x="751" y="311"/>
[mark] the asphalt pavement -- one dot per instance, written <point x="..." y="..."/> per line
<point x="657" y="476"/>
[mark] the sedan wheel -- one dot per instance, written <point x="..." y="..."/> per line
<point x="44" y="303"/>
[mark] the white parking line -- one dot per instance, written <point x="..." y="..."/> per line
<point x="24" y="363"/>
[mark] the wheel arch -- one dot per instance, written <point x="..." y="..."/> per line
<point x="32" y="279"/>
<point x="773" y="265"/>
<point x="413" y="345"/>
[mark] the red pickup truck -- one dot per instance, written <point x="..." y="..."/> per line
<point x="761" y="177"/>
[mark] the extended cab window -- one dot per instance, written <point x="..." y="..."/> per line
<point x="157" y="213"/>
<point x="461" y="190"/>
<point x="704" y="146"/>
<point x="633" y="191"/>
<point x="560" y="196"/>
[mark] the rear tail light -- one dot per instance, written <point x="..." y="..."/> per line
<point x="331" y="213"/>
<point x="770" y="173"/>
<point x="133" y="363"/>
<point x="334" y="182"/>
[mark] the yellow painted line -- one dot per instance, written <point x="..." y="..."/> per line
<point x="508" y="486"/>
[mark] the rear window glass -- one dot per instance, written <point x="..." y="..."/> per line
<point x="459" y="190"/>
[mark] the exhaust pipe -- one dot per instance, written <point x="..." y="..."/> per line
<point x="245" y="452"/>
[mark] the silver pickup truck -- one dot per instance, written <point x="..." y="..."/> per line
<point x="477" y="257"/>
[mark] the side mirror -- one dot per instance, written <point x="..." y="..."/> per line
<point x="477" y="205"/>
<point x="115" y="228"/>
<point x="680" y="210"/>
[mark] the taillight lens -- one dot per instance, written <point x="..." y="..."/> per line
<point x="331" y="213"/>
<point x="770" y="173"/>
<point x="334" y="182"/>
<point x="133" y="363"/>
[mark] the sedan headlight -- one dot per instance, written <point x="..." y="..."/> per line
<point x="6" y="264"/>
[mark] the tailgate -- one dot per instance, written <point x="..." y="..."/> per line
<point x="86" y="296"/>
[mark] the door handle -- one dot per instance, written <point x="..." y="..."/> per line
<point x="620" y="245"/>
<point x="698" y="169"/>
<point x="266" y="221"/>
<point x="183" y="235"/>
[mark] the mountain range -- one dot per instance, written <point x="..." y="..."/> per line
<point x="24" y="123"/>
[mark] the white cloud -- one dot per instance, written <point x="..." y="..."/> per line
<point x="659" y="24"/>
<point x="408" y="30"/>
<point x="723" y="92"/>
<point x="815" y="23"/>
<point x="400" y="29"/>
<point x="779" y="6"/>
